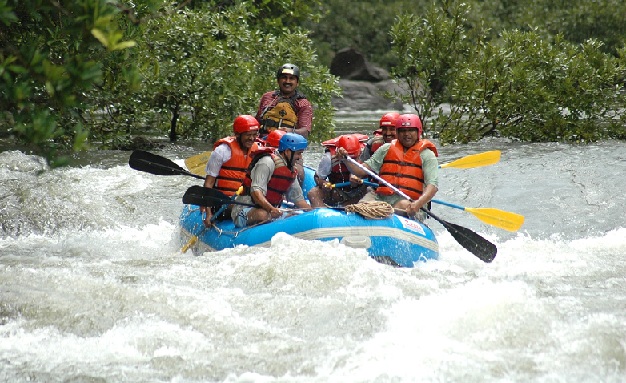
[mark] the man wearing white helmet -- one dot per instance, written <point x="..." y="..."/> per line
<point x="287" y="108"/>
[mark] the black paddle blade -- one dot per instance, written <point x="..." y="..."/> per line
<point x="201" y="196"/>
<point x="155" y="164"/>
<point x="471" y="241"/>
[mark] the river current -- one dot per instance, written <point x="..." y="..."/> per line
<point x="94" y="287"/>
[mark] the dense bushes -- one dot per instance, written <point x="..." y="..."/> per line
<point x="95" y="71"/>
<point x="100" y="72"/>
<point x="521" y="85"/>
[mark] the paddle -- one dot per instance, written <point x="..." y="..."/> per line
<point x="494" y="217"/>
<point x="201" y="196"/>
<point x="155" y="164"/>
<point x="471" y="241"/>
<point x="197" y="164"/>
<point x="474" y="160"/>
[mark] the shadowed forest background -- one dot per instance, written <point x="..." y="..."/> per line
<point x="105" y="74"/>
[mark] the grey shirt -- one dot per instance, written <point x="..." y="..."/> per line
<point x="260" y="175"/>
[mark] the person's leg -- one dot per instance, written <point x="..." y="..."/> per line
<point x="241" y="217"/>
<point x="369" y="196"/>
<point x="316" y="197"/>
<point x="256" y="215"/>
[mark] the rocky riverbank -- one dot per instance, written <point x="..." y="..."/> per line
<point x="364" y="85"/>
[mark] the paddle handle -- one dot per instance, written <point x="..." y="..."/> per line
<point x="344" y="184"/>
<point x="382" y="181"/>
<point x="448" y="204"/>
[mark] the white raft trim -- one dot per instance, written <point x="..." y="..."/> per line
<point x="367" y="231"/>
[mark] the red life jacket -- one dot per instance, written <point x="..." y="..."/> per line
<point x="375" y="143"/>
<point x="404" y="169"/>
<point x="280" y="181"/>
<point x="339" y="172"/>
<point x="231" y="173"/>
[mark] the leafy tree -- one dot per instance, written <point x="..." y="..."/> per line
<point x="103" y="72"/>
<point x="201" y="69"/>
<point x="576" y="20"/>
<point x="521" y="85"/>
<point x="429" y="48"/>
<point x="50" y="55"/>
<point x="527" y="88"/>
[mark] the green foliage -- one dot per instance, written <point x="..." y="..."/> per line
<point x="576" y="20"/>
<point x="429" y="49"/>
<point x="103" y="72"/>
<point x="201" y="69"/>
<point x="526" y="88"/>
<point x="50" y="58"/>
<point x="520" y="85"/>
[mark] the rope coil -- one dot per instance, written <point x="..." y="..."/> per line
<point x="371" y="209"/>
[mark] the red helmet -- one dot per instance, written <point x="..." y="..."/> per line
<point x="351" y="143"/>
<point x="245" y="123"/>
<point x="389" y="119"/>
<point x="273" y="138"/>
<point x="409" y="121"/>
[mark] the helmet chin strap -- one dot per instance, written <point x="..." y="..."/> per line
<point x="289" y="160"/>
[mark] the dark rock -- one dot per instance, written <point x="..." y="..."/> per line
<point x="367" y="96"/>
<point x="363" y="84"/>
<point x="350" y="64"/>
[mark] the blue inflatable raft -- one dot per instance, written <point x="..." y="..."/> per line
<point x="394" y="240"/>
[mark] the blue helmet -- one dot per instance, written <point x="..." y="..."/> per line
<point x="293" y="142"/>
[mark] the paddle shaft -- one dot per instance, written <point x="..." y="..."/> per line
<point x="472" y="242"/>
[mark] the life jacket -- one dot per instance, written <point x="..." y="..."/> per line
<point x="231" y="173"/>
<point x="404" y="169"/>
<point x="282" y="112"/>
<point x="280" y="181"/>
<point x="375" y="143"/>
<point x="339" y="172"/>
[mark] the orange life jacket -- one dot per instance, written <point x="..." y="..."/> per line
<point x="280" y="181"/>
<point x="231" y="173"/>
<point x="404" y="169"/>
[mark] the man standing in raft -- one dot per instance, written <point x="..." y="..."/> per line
<point x="287" y="108"/>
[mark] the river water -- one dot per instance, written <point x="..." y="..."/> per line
<point x="94" y="288"/>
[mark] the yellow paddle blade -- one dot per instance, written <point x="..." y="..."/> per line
<point x="474" y="160"/>
<point x="498" y="218"/>
<point x="197" y="164"/>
